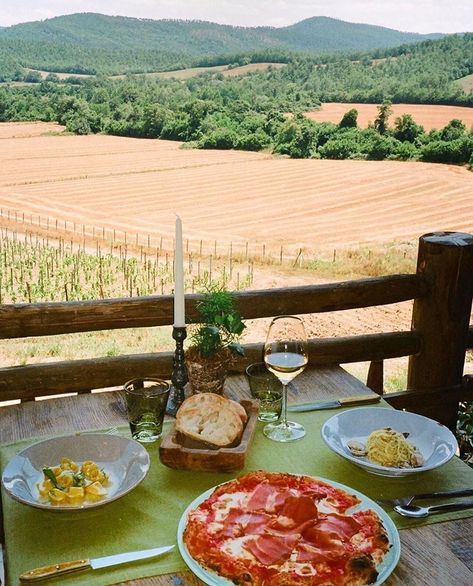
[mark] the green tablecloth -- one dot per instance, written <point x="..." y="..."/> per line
<point x="148" y="516"/>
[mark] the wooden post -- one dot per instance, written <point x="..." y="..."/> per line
<point x="375" y="378"/>
<point x="441" y="317"/>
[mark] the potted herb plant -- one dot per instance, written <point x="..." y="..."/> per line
<point x="213" y="341"/>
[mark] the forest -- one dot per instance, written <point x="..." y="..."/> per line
<point x="264" y="110"/>
<point x="187" y="37"/>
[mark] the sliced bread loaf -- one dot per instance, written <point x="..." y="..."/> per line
<point x="211" y="419"/>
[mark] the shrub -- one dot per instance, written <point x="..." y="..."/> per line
<point x="253" y="141"/>
<point x="350" y="119"/>
<point x="341" y="147"/>
<point x="78" y="124"/>
<point x="33" y="77"/>
<point x="405" y="129"/>
<point x="220" y="138"/>
<point x="296" y="138"/>
<point x="404" y="151"/>
<point x="456" y="151"/>
<point x="382" y="147"/>
<point x="454" y="129"/>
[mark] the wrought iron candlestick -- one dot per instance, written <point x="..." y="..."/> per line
<point x="179" y="371"/>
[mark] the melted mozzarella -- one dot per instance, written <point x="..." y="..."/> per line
<point x="326" y="506"/>
<point x="234" y="548"/>
<point x="301" y="569"/>
<point x="199" y="515"/>
<point x="227" y="502"/>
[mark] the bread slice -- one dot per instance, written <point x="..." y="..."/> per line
<point x="211" y="419"/>
<point x="239" y="410"/>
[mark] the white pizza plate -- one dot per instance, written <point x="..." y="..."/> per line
<point x="124" y="460"/>
<point x="434" y="441"/>
<point x="384" y="570"/>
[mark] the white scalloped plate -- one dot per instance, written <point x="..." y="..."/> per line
<point x="434" y="441"/>
<point x="124" y="460"/>
<point x="384" y="569"/>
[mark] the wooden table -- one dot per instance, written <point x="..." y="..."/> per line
<point x="434" y="555"/>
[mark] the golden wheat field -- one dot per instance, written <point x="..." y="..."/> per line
<point x="238" y="197"/>
<point x="226" y="196"/>
<point x="429" y="117"/>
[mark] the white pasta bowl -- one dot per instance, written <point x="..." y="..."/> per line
<point x="435" y="442"/>
<point x="125" y="461"/>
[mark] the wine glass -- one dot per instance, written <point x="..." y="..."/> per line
<point x="285" y="355"/>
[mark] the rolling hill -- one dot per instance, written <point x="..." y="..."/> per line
<point x="203" y="38"/>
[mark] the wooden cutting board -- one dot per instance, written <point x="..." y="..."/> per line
<point x="176" y="452"/>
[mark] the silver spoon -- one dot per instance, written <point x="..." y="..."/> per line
<point x="416" y="512"/>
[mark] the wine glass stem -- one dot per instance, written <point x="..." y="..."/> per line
<point x="284" y="405"/>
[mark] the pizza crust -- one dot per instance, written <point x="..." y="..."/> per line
<point x="225" y="547"/>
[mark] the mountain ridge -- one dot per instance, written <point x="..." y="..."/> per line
<point x="197" y="37"/>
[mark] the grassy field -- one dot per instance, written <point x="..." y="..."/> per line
<point x="226" y="70"/>
<point x="466" y="83"/>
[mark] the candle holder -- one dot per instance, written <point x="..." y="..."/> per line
<point x="179" y="372"/>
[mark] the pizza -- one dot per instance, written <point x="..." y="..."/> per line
<point x="277" y="529"/>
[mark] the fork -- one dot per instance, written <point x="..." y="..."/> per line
<point x="407" y="500"/>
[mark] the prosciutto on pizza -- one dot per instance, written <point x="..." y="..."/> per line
<point x="276" y="529"/>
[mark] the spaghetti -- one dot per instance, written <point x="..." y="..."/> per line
<point x="389" y="447"/>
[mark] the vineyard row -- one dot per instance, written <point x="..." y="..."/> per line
<point x="36" y="270"/>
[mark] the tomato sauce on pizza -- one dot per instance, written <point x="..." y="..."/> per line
<point x="277" y="529"/>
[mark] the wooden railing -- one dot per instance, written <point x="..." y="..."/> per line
<point x="441" y="289"/>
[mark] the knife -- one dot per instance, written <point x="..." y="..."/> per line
<point x="54" y="570"/>
<point x="345" y="402"/>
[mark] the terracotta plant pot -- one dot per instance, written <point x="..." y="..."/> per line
<point x="207" y="374"/>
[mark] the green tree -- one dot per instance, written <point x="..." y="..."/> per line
<point x="155" y="118"/>
<point x="348" y="144"/>
<point x="454" y="129"/>
<point x="296" y="138"/>
<point x="350" y="119"/>
<point x="384" y="112"/>
<point x="33" y="77"/>
<point x="405" y="129"/>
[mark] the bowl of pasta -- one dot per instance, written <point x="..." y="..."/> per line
<point x="75" y="472"/>
<point x="389" y="442"/>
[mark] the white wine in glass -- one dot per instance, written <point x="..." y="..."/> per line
<point x="285" y="355"/>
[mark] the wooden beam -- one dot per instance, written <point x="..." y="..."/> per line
<point x="36" y="380"/>
<point x="331" y="297"/>
<point x="427" y="402"/>
<point x="45" y="319"/>
<point x="77" y="376"/>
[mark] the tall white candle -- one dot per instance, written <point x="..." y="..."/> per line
<point x="179" y="313"/>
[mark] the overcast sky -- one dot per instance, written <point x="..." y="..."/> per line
<point x="421" y="16"/>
